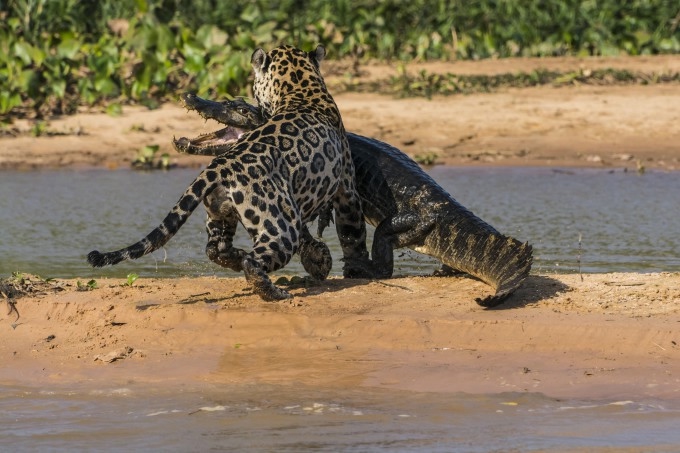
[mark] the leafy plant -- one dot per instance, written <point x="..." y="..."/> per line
<point x="18" y="277"/>
<point x="426" y="158"/>
<point x="146" y="160"/>
<point x="38" y="128"/>
<point x="89" y="286"/>
<point x="131" y="279"/>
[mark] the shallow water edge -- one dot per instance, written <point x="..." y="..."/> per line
<point x="299" y="418"/>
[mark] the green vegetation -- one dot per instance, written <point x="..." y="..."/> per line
<point x="429" y="158"/>
<point x="89" y="286"/>
<point x="131" y="279"/>
<point x="146" y="159"/>
<point x="56" y="55"/>
<point x="427" y="84"/>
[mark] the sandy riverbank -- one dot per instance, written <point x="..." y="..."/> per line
<point x="610" y="335"/>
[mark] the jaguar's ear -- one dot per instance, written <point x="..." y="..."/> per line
<point x="318" y="55"/>
<point x="259" y="61"/>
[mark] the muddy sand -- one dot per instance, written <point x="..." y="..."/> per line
<point x="594" y="336"/>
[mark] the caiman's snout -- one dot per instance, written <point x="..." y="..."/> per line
<point x="181" y="144"/>
<point x="188" y="100"/>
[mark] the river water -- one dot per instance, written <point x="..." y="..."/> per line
<point x="51" y="219"/>
<point x="268" y="418"/>
<point x="626" y="222"/>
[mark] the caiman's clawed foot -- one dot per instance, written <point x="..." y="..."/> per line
<point x="447" y="271"/>
<point x="363" y="268"/>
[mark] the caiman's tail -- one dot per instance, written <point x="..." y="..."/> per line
<point x="160" y="235"/>
<point x="498" y="260"/>
<point x="505" y="264"/>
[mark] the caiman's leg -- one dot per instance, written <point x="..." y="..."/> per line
<point x="396" y="232"/>
<point x="351" y="229"/>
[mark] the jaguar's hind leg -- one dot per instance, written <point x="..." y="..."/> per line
<point x="270" y="252"/>
<point x="275" y="240"/>
<point x="351" y="229"/>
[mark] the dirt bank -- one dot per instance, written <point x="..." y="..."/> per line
<point x="608" y="336"/>
<point x="579" y="125"/>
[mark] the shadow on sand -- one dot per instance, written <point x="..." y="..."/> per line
<point x="534" y="289"/>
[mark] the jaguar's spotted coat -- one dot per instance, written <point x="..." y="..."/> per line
<point x="275" y="179"/>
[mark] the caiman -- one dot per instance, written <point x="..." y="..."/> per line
<point x="407" y="207"/>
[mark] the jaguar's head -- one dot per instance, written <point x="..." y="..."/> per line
<point x="286" y="75"/>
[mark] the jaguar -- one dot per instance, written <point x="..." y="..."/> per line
<point x="239" y="118"/>
<point x="274" y="180"/>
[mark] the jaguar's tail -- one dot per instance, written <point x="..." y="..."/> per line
<point x="160" y="235"/>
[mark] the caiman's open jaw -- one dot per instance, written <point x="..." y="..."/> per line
<point x="207" y="144"/>
<point x="238" y="116"/>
